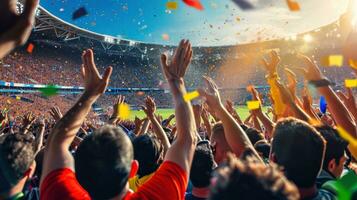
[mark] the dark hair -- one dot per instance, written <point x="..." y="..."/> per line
<point x="254" y="135"/>
<point x="147" y="151"/>
<point x="202" y="165"/>
<point x="300" y="149"/>
<point x="263" y="147"/>
<point x="103" y="162"/>
<point x="218" y="127"/>
<point x="335" y="145"/>
<point x="16" y="157"/>
<point x="251" y="180"/>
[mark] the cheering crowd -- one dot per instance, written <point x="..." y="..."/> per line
<point x="202" y="151"/>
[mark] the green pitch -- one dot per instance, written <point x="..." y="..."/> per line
<point x="165" y="113"/>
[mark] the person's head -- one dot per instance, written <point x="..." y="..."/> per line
<point x="202" y="165"/>
<point x="254" y="135"/>
<point x="335" y="156"/>
<point x="300" y="149"/>
<point x="250" y="180"/>
<point x="17" y="163"/>
<point x="103" y="162"/>
<point x="263" y="148"/>
<point x="219" y="143"/>
<point x="148" y="152"/>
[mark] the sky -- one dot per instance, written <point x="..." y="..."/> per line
<point x="221" y="22"/>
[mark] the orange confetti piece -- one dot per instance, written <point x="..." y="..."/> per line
<point x="165" y="37"/>
<point x="172" y="5"/>
<point x="293" y="5"/>
<point x="194" y="3"/>
<point x="353" y="63"/>
<point x="30" y="48"/>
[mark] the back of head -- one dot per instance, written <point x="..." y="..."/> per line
<point x="16" y="157"/>
<point x="300" y="149"/>
<point x="103" y="162"/>
<point x="251" y="180"/>
<point x="335" y="145"/>
<point x="147" y="151"/>
<point x="254" y="135"/>
<point x="202" y="165"/>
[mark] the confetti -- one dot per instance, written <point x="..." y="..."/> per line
<point x="191" y="95"/>
<point x="323" y="104"/>
<point x="49" y="90"/>
<point x="80" y="12"/>
<point x="18" y="98"/>
<point x="124" y="111"/>
<point x="346" y="136"/>
<point x="165" y="37"/>
<point x="172" y="5"/>
<point x="353" y="63"/>
<point x="194" y="3"/>
<point x="244" y="5"/>
<point x="30" y="48"/>
<point x="344" y="186"/>
<point x="253" y="105"/>
<point x="350" y="83"/>
<point x="335" y="60"/>
<point x="293" y="5"/>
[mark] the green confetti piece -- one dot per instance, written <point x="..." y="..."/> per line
<point x="49" y="90"/>
<point x="344" y="187"/>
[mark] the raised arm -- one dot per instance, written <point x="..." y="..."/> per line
<point x="335" y="105"/>
<point x="182" y="150"/>
<point x="57" y="154"/>
<point x="267" y="123"/>
<point x="149" y="109"/>
<point x="235" y="136"/>
<point x="15" y="29"/>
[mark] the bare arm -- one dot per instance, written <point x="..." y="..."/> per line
<point x="20" y="28"/>
<point x="182" y="150"/>
<point x="235" y="136"/>
<point x="149" y="109"/>
<point x="39" y="137"/>
<point x="336" y="107"/>
<point x="56" y="152"/>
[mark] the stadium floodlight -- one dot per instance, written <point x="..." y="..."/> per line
<point x="132" y="43"/>
<point x="308" y="38"/>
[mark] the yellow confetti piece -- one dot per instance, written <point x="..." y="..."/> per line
<point x="18" y="98"/>
<point x="253" y="105"/>
<point x="350" y="83"/>
<point x="171" y="5"/>
<point x="191" y="95"/>
<point x="293" y="5"/>
<point x="353" y="63"/>
<point x="124" y="111"/>
<point x="346" y="136"/>
<point x="335" y="60"/>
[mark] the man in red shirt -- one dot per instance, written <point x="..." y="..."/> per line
<point x="104" y="160"/>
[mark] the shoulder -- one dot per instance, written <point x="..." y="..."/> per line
<point x="62" y="184"/>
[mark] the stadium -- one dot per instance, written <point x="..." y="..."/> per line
<point x="137" y="71"/>
<point x="191" y="100"/>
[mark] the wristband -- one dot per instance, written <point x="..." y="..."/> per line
<point x="321" y="83"/>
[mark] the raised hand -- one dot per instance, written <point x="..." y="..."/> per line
<point x="177" y="67"/>
<point x="28" y="119"/>
<point x="211" y="94"/>
<point x="14" y="28"/>
<point x="311" y="72"/>
<point x="94" y="83"/>
<point x="291" y="81"/>
<point x="271" y="66"/>
<point x="230" y="108"/>
<point x="55" y="112"/>
<point x="120" y="100"/>
<point x="150" y="107"/>
<point x="3" y="118"/>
